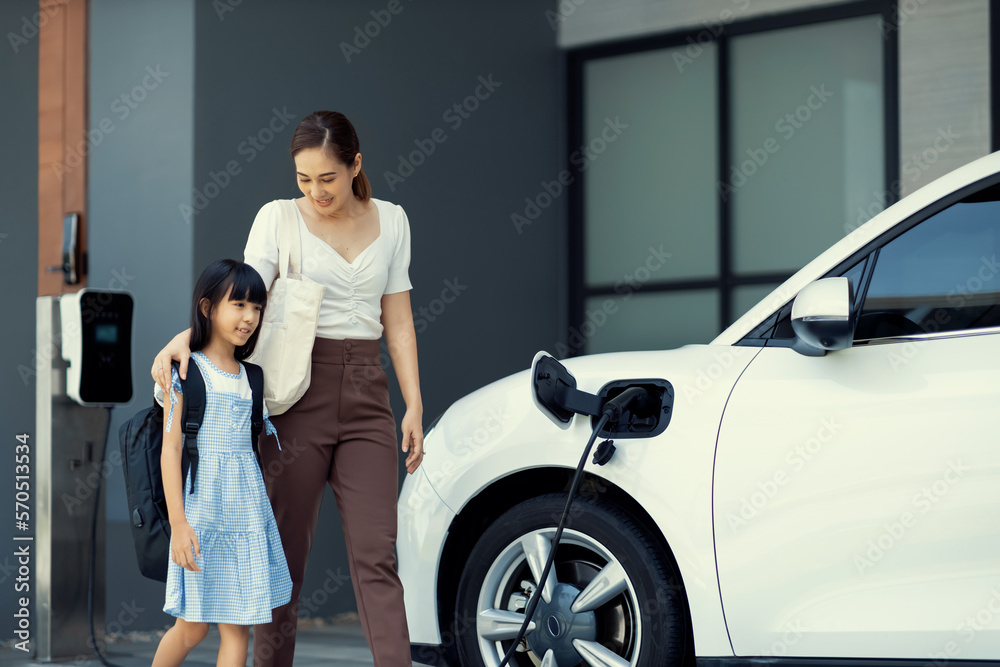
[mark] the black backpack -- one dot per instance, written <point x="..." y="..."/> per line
<point x="141" y="440"/>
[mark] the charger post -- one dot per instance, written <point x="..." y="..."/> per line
<point x="93" y="329"/>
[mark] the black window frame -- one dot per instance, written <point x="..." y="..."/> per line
<point x="727" y="280"/>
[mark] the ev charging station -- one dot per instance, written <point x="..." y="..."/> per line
<point x="83" y="343"/>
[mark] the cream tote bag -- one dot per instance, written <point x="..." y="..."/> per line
<point x="284" y="348"/>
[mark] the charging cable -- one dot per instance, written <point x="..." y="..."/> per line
<point x="93" y="550"/>
<point x="611" y="412"/>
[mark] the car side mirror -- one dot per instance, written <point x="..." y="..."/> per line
<point x="823" y="317"/>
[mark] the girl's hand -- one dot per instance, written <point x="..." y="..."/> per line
<point x="413" y="439"/>
<point x="182" y="540"/>
<point x="178" y="349"/>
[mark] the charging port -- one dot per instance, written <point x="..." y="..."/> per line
<point x="645" y="418"/>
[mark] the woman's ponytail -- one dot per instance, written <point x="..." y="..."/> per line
<point x="361" y="187"/>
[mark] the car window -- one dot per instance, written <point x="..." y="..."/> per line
<point x="939" y="276"/>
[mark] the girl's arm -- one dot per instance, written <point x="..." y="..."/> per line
<point x="401" y="339"/>
<point x="178" y="349"/>
<point x="182" y="535"/>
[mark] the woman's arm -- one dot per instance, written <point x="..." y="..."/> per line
<point x="182" y="535"/>
<point x="178" y="349"/>
<point x="401" y="339"/>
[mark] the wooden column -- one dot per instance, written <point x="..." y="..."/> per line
<point x="62" y="135"/>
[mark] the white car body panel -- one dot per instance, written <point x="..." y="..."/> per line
<point x="701" y="376"/>
<point x="423" y="518"/>
<point x="782" y="514"/>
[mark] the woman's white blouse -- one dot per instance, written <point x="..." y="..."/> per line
<point x="352" y="305"/>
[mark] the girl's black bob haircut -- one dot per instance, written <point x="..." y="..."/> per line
<point x="213" y="284"/>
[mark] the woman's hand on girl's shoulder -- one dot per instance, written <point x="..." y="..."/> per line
<point x="178" y="349"/>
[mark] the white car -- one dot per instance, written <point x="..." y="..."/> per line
<point x="820" y="481"/>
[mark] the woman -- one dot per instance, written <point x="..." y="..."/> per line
<point x="341" y="432"/>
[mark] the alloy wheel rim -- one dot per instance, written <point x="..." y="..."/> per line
<point x="591" y="618"/>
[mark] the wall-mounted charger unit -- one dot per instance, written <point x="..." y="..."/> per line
<point x="97" y="343"/>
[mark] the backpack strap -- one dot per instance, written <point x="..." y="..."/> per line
<point x="194" y="413"/>
<point x="255" y="374"/>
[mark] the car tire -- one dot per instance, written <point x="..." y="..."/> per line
<point x="640" y="618"/>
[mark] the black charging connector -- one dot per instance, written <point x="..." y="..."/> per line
<point x="617" y="406"/>
<point x="611" y="411"/>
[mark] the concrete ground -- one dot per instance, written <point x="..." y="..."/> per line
<point x="342" y="645"/>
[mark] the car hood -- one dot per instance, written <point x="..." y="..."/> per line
<point x="504" y="410"/>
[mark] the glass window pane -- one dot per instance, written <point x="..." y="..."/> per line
<point x="806" y="119"/>
<point x="650" y="161"/>
<point x="653" y="321"/>
<point x="939" y="276"/>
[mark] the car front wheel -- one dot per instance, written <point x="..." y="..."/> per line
<point x="612" y="598"/>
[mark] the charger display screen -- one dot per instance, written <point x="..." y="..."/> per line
<point x="106" y="334"/>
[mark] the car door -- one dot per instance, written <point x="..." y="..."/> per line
<point x="857" y="494"/>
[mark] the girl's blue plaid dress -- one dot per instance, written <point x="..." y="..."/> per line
<point x="243" y="570"/>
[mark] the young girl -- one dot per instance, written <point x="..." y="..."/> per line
<point x="227" y="564"/>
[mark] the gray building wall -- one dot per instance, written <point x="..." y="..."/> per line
<point x="18" y="258"/>
<point x="142" y="90"/>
